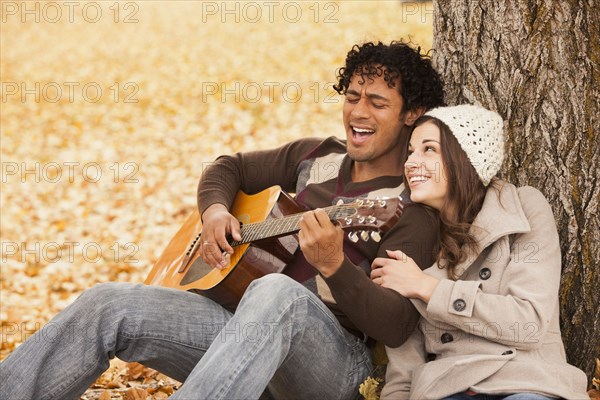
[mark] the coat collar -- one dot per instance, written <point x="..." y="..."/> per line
<point x="501" y="215"/>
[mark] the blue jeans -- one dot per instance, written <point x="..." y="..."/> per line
<point x="481" y="396"/>
<point x="281" y="336"/>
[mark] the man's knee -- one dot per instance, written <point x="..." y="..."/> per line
<point x="275" y="284"/>
<point x="102" y="294"/>
<point x="275" y="289"/>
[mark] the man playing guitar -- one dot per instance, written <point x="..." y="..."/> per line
<point x="305" y="337"/>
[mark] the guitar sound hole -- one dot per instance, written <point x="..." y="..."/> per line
<point x="196" y="271"/>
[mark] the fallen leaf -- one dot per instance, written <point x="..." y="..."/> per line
<point x="169" y="390"/>
<point x="160" y="395"/>
<point x="114" y="384"/>
<point x="135" y="394"/>
<point x="105" y="395"/>
<point x="134" y="371"/>
<point x="368" y="389"/>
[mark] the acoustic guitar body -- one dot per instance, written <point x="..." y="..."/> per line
<point x="249" y="261"/>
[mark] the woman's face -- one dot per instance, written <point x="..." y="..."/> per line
<point x="424" y="170"/>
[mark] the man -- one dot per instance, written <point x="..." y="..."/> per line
<point x="295" y="340"/>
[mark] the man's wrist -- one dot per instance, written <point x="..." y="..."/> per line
<point x="214" y="207"/>
<point x="331" y="268"/>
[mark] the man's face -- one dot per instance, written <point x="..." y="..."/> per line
<point x="373" y="122"/>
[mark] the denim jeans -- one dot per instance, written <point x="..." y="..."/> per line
<point x="515" y="396"/>
<point x="281" y="336"/>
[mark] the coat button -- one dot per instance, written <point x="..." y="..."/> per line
<point x="446" y="338"/>
<point x="459" y="305"/>
<point x="506" y="353"/>
<point x="485" y="273"/>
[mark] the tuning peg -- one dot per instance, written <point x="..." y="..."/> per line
<point x="359" y="202"/>
<point x="370" y="203"/>
<point x="348" y="221"/>
<point x="371" y="219"/>
<point x="375" y="236"/>
<point x="361" y="220"/>
<point x="364" y="235"/>
<point x="353" y="237"/>
<point x="382" y="203"/>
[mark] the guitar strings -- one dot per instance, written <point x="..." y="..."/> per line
<point x="278" y="226"/>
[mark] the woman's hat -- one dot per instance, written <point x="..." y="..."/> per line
<point x="480" y="134"/>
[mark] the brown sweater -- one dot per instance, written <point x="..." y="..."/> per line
<point x="319" y="173"/>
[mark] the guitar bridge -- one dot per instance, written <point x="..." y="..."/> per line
<point x="190" y="253"/>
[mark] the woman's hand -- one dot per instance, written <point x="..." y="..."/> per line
<point x="402" y="274"/>
<point x="322" y="242"/>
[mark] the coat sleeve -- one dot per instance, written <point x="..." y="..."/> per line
<point x="403" y="361"/>
<point x="522" y="312"/>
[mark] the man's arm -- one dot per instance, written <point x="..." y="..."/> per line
<point x="381" y="313"/>
<point x="251" y="172"/>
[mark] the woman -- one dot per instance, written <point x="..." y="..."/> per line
<point x="489" y="305"/>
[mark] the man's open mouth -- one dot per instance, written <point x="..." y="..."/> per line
<point x="361" y="134"/>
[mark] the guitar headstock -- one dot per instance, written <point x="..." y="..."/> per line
<point x="367" y="219"/>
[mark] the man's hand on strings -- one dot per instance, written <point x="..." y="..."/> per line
<point x="217" y="224"/>
<point x="321" y="242"/>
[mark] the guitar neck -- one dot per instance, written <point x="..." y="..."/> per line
<point x="276" y="227"/>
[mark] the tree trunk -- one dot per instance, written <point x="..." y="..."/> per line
<point x="536" y="62"/>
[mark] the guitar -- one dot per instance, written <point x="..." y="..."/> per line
<point x="269" y="221"/>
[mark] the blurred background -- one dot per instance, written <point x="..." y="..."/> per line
<point x="111" y="109"/>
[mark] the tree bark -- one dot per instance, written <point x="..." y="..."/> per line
<point x="537" y="63"/>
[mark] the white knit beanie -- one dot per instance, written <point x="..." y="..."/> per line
<point x="480" y="134"/>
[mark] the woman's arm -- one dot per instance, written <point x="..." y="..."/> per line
<point x="520" y="313"/>
<point x="382" y="313"/>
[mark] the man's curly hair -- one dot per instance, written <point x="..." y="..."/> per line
<point x="420" y="84"/>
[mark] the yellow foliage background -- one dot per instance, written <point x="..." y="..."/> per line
<point x="96" y="182"/>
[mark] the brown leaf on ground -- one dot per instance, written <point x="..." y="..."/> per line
<point x="136" y="394"/>
<point x="135" y="371"/>
<point x="104" y="395"/>
<point x="168" y="390"/>
<point x="162" y="389"/>
<point x="114" y="384"/>
<point x="121" y="377"/>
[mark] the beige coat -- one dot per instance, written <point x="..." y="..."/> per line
<point x="496" y="330"/>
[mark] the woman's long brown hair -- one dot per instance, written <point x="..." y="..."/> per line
<point x="463" y="202"/>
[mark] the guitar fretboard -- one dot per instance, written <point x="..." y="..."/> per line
<point x="286" y="225"/>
